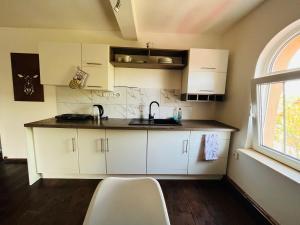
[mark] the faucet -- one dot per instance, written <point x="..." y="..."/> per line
<point x="151" y="117"/>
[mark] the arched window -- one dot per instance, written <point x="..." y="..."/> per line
<point x="276" y="98"/>
<point x="288" y="57"/>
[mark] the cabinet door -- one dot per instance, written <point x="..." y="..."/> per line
<point x="219" y="83"/>
<point x="167" y="152"/>
<point x="206" y="82"/>
<point x="196" y="163"/>
<point x="56" y="150"/>
<point x="126" y="151"/>
<point x="95" y="61"/>
<point x="91" y="149"/>
<point x="58" y="62"/>
<point x="201" y="82"/>
<point x="208" y="59"/>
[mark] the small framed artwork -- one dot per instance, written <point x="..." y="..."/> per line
<point x="26" y="77"/>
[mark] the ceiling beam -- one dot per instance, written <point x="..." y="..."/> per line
<point x="125" y="16"/>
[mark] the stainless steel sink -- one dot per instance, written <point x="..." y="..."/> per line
<point x="155" y="122"/>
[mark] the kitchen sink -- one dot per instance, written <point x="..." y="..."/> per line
<point x="155" y="122"/>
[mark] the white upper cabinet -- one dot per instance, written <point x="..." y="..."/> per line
<point x="167" y="152"/>
<point x="126" y="151"/>
<point x="206" y="72"/>
<point x="206" y="82"/>
<point x="208" y="59"/>
<point x="95" y="61"/>
<point x="91" y="147"/>
<point x="58" y="62"/>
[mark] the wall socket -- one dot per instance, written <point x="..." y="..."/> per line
<point x="236" y="155"/>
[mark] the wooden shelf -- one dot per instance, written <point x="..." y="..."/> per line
<point x="202" y="97"/>
<point x="150" y="56"/>
<point x="173" y="66"/>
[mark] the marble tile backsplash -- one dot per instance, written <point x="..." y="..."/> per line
<point x="127" y="102"/>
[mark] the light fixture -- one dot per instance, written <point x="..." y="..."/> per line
<point x="117" y="6"/>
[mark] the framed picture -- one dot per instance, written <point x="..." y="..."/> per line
<point x="26" y="77"/>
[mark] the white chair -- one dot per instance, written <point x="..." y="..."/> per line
<point x="127" y="201"/>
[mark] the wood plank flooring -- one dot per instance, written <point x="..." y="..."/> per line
<point x="64" y="202"/>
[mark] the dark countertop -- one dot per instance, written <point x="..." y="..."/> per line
<point x="122" y="124"/>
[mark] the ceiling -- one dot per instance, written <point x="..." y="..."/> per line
<point x="190" y="16"/>
<point x="66" y="14"/>
<point x="157" y="16"/>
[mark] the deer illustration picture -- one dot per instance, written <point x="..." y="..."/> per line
<point x="28" y="83"/>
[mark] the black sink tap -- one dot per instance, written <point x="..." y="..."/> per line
<point x="151" y="117"/>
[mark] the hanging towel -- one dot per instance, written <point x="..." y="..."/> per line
<point x="211" y="146"/>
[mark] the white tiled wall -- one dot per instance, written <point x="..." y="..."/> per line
<point x="127" y="102"/>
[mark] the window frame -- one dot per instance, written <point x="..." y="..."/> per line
<point x="279" y="76"/>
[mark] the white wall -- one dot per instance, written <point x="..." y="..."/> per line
<point x="279" y="196"/>
<point x="13" y="114"/>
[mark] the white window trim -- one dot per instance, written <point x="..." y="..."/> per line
<point x="257" y="145"/>
<point x="263" y="75"/>
<point x="272" y="49"/>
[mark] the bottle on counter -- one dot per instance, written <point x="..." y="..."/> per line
<point x="175" y="113"/>
<point x="179" y="115"/>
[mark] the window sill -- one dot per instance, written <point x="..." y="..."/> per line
<point x="278" y="167"/>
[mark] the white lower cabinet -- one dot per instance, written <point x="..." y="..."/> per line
<point x="197" y="165"/>
<point x="99" y="151"/>
<point x="91" y="147"/>
<point x="126" y="151"/>
<point x="167" y="152"/>
<point x="56" y="150"/>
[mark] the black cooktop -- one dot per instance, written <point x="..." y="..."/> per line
<point x="73" y="117"/>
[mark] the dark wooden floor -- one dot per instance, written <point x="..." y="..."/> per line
<point x="55" y="202"/>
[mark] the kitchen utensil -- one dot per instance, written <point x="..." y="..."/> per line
<point x="165" y="60"/>
<point x="79" y="80"/>
<point x="119" y="59"/>
<point x="127" y="58"/>
<point x="98" y="112"/>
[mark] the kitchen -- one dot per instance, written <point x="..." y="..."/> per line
<point x="138" y="104"/>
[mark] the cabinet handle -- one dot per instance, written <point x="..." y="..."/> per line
<point x="94" y="86"/>
<point x="99" y="147"/>
<point x="208" y="68"/>
<point x="73" y="145"/>
<point x="185" y="146"/>
<point x="207" y="90"/>
<point x="107" y="148"/>
<point x="102" y="146"/>
<point x="94" y="63"/>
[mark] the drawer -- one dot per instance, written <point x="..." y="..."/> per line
<point x="198" y="167"/>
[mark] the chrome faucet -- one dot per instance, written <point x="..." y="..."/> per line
<point x="151" y="117"/>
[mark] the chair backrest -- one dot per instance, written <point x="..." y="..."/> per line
<point x="127" y="201"/>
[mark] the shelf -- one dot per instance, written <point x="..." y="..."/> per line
<point x="150" y="56"/>
<point x="173" y="66"/>
<point x="202" y="97"/>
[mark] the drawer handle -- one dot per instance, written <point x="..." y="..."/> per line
<point x="207" y="90"/>
<point x="94" y="63"/>
<point x="208" y="68"/>
<point x="73" y="145"/>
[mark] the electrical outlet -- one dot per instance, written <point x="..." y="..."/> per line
<point x="236" y="155"/>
